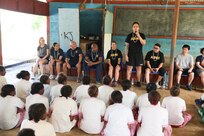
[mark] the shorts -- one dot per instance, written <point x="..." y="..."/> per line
<point x="161" y="71"/>
<point x="199" y="71"/>
<point x="135" y="60"/>
<point x="185" y="71"/>
<point x="72" y="63"/>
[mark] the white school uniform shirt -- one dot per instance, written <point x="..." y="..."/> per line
<point x="23" y="88"/>
<point x="33" y="99"/>
<point x="41" y="128"/>
<point x="153" y="119"/>
<point x="175" y="106"/>
<point x="118" y="116"/>
<point x="202" y="97"/>
<point x="129" y="98"/>
<point x="55" y="91"/>
<point x="47" y="90"/>
<point x="62" y="108"/>
<point x="104" y="93"/>
<point x="2" y="82"/>
<point x="9" y="117"/>
<point x="81" y="93"/>
<point x="143" y="101"/>
<point x="92" y="109"/>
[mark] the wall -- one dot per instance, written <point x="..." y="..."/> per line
<point x="165" y="42"/>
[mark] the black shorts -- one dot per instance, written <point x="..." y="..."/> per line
<point x="135" y="60"/>
<point x="161" y="71"/>
<point x="185" y="71"/>
<point x="72" y="63"/>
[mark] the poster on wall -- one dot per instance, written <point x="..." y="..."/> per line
<point x="68" y="27"/>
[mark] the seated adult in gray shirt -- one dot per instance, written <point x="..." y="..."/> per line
<point x="185" y="65"/>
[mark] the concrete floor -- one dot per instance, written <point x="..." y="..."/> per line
<point x="194" y="128"/>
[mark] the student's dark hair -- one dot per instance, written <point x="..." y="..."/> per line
<point x="114" y="42"/>
<point x="86" y="80"/>
<point x="44" y="78"/>
<point x="201" y="50"/>
<point x="135" y="23"/>
<point x="151" y="87"/>
<point x="116" y="96"/>
<point x="36" y="112"/>
<point x="157" y="44"/>
<point x="186" y="46"/>
<point x="106" y="80"/>
<point x="26" y="132"/>
<point x="7" y="90"/>
<point x="126" y="84"/>
<point x="175" y="91"/>
<point x="36" y="87"/>
<point x="23" y="74"/>
<point x="66" y="91"/>
<point x="154" y="97"/>
<point x="61" y="78"/>
<point x="54" y="44"/>
<point x="93" y="91"/>
<point x="2" y="69"/>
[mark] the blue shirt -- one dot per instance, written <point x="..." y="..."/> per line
<point x="73" y="55"/>
<point x="94" y="56"/>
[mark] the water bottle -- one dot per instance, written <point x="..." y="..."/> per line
<point x="164" y="81"/>
<point x="132" y="81"/>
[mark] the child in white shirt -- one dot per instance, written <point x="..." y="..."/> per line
<point x="142" y="100"/>
<point x="2" y="77"/>
<point x="153" y="119"/>
<point x="11" y="109"/>
<point x="105" y="90"/>
<point x="118" y="118"/>
<point x="45" y="80"/>
<point x="176" y="107"/>
<point x="37" y="90"/>
<point x="129" y="97"/>
<point x="55" y="90"/>
<point x="82" y="90"/>
<point x="23" y="86"/>
<point x="36" y="121"/>
<point x="64" y="111"/>
<point x="91" y="111"/>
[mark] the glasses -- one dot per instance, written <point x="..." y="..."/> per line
<point x="156" y="48"/>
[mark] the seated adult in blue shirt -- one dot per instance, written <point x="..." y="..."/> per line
<point x="73" y="59"/>
<point x="56" y="59"/>
<point x="93" y="59"/>
<point x="199" y="67"/>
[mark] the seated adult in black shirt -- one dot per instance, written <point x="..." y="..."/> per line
<point x="93" y="59"/>
<point x="154" y="62"/>
<point x="200" y="65"/>
<point x="73" y="59"/>
<point x="114" y="57"/>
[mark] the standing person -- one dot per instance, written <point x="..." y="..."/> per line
<point x="43" y="56"/>
<point x="91" y="111"/>
<point x="200" y="65"/>
<point x="11" y="109"/>
<point x="73" y="59"/>
<point x="154" y="63"/>
<point x="134" y="55"/>
<point x="185" y="65"/>
<point x="3" y="80"/>
<point x="37" y="115"/>
<point x="114" y="57"/>
<point x="64" y="111"/>
<point x="94" y="59"/>
<point x="56" y="59"/>
<point x="176" y="108"/>
<point x="23" y="86"/>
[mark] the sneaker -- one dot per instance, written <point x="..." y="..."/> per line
<point x="52" y="77"/>
<point x="138" y="84"/>
<point x="114" y="84"/>
<point x="98" y="83"/>
<point x="178" y="85"/>
<point x="158" y="86"/>
<point x="78" y="80"/>
<point x="189" y="87"/>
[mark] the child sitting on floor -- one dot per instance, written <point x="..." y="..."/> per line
<point x="176" y="108"/>
<point x="105" y="90"/>
<point x="2" y="77"/>
<point x="64" y="111"/>
<point x="11" y="109"/>
<point x="44" y="79"/>
<point x="36" y="121"/>
<point x="26" y="132"/>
